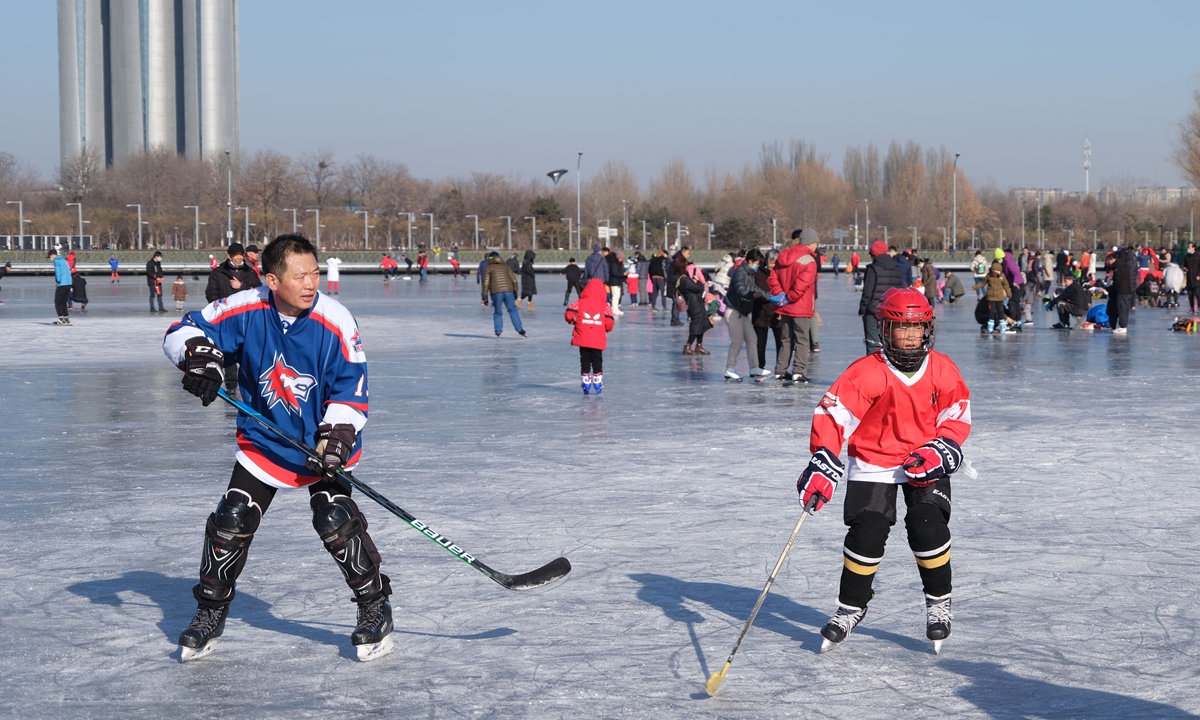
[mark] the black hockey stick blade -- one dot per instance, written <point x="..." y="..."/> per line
<point x="544" y="575"/>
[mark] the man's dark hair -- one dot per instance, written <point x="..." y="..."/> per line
<point x="274" y="257"/>
<point x="754" y="255"/>
<point x="891" y="248"/>
<point x="571" y="260"/>
<point x="796" y="234"/>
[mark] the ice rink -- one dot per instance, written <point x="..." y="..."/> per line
<point x="1075" y="550"/>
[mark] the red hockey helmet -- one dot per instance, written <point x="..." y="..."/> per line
<point x="904" y="306"/>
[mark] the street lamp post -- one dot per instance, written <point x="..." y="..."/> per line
<point x="366" y="228"/>
<point x="20" y="218"/>
<point x="139" y="209"/>
<point x="293" y="212"/>
<point x="625" y="224"/>
<point x="534" y="233"/>
<point x="246" y="231"/>
<point x="476" y="230"/>
<point x="885" y="237"/>
<point x="914" y="229"/>
<point x="944" y="241"/>
<point x="229" y="198"/>
<point x="954" y="202"/>
<point x="710" y="229"/>
<point x="774" y="234"/>
<point x="410" y="222"/>
<point x="82" y="222"/>
<point x="318" y="213"/>
<point x="430" y="230"/>
<point x="643" y="236"/>
<point x="569" y="221"/>
<point x="868" y="206"/>
<point x="196" y="236"/>
<point x="509" y="219"/>
<point x="578" y="201"/>
<point x="666" y="232"/>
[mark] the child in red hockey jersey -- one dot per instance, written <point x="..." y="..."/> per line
<point x="904" y="413"/>
<point x="592" y="319"/>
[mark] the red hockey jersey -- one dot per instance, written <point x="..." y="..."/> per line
<point x="884" y="415"/>
<point x="591" y="316"/>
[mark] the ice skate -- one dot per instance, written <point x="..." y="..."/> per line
<point x="62" y="320"/>
<point x="731" y="376"/>
<point x="373" y="635"/>
<point x="937" y="620"/>
<point x="585" y="381"/>
<point x="198" y="639"/>
<point x="840" y="625"/>
<point x="760" y="374"/>
<point x="597" y="383"/>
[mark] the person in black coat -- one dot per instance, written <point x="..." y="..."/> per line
<point x="693" y="294"/>
<point x="574" y="275"/>
<point x="154" y="278"/>
<point x="528" y="280"/>
<point x="765" y="318"/>
<point x="658" y="278"/>
<point x="676" y="268"/>
<point x="1191" y="276"/>
<point x="1120" y="293"/>
<point x="1072" y="303"/>
<point x="881" y="275"/>
<point x="616" y="278"/>
<point x="231" y="276"/>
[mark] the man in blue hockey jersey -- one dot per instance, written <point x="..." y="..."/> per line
<point x="300" y="363"/>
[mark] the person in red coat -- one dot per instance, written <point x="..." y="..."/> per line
<point x="793" y="285"/>
<point x="592" y="320"/>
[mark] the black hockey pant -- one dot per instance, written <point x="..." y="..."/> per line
<point x="870" y="512"/>
<point x="336" y="518"/>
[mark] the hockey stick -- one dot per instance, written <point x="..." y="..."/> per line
<point x="548" y="573"/>
<point x="714" y="681"/>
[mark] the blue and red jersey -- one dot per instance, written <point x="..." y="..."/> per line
<point x="296" y="372"/>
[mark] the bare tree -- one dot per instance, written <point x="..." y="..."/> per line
<point x="80" y="175"/>
<point x="320" y="174"/>
<point x="1187" y="147"/>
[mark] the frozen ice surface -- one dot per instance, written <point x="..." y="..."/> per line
<point x="672" y="494"/>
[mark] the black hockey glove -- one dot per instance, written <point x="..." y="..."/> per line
<point x="202" y="369"/>
<point x="334" y="445"/>
<point x="935" y="459"/>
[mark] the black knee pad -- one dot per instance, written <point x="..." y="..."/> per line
<point x="235" y="515"/>
<point x="927" y="529"/>
<point x="336" y="516"/>
<point x="868" y="533"/>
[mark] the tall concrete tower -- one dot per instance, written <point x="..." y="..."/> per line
<point x="136" y="75"/>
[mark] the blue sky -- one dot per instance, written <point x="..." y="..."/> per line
<point x="520" y="87"/>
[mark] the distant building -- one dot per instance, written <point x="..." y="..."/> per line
<point x="140" y="74"/>
<point x="1148" y="196"/>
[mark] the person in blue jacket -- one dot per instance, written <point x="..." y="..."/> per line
<point x="300" y="363"/>
<point x="62" y="279"/>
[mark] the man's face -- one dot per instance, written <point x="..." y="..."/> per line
<point x="252" y="256"/>
<point x="687" y="253"/>
<point x="908" y="336"/>
<point x="237" y="259"/>
<point x="296" y="287"/>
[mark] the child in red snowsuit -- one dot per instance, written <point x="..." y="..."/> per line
<point x="592" y="319"/>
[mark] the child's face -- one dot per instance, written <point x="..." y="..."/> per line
<point x="908" y="336"/>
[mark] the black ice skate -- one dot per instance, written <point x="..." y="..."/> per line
<point x="937" y="620"/>
<point x="199" y="638"/>
<point x="373" y="636"/>
<point x="841" y="625"/>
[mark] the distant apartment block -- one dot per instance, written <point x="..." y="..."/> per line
<point x="141" y="74"/>
<point x="1148" y="196"/>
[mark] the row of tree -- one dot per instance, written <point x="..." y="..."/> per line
<point x="790" y="186"/>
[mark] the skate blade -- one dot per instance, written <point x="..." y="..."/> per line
<point x="827" y="645"/>
<point x="187" y="654"/>
<point x="367" y="653"/>
<point x="937" y="647"/>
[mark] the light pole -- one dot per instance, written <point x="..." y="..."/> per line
<point x="430" y="230"/>
<point x="476" y="230"/>
<point x="1022" y="221"/>
<point x="914" y="229"/>
<point x="1001" y="243"/>
<point x="534" y="234"/>
<point x="79" y="207"/>
<point x="20" y="218"/>
<point x="246" y="232"/>
<point x="229" y="198"/>
<point x="868" y="206"/>
<point x="625" y="224"/>
<point x="293" y="212"/>
<point x="139" y="208"/>
<point x="366" y="228"/>
<point x="509" y="219"/>
<point x="666" y="231"/>
<point x="410" y="222"/>
<point x="643" y="236"/>
<point x="710" y="229"/>
<point x="196" y="237"/>
<point x="885" y="237"/>
<point x="944" y="242"/>
<point x="569" y="221"/>
<point x="954" y="202"/>
<point x="578" y="201"/>
<point x="318" y="212"/>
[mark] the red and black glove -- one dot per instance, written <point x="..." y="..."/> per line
<point x="820" y="479"/>
<point x="202" y="367"/>
<point x="937" y="458"/>
<point x="334" y="445"/>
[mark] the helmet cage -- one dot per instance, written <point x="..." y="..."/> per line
<point x="905" y="360"/>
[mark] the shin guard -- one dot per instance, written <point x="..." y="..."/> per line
<point x="343" y="530"/>
<point x="862" y="554"/>
<point x="227" y="537"/>
<point x="929" y="538"/>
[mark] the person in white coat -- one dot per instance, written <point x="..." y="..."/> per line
<point x="332" y="274"/>
<point x="1172" y="284"/>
